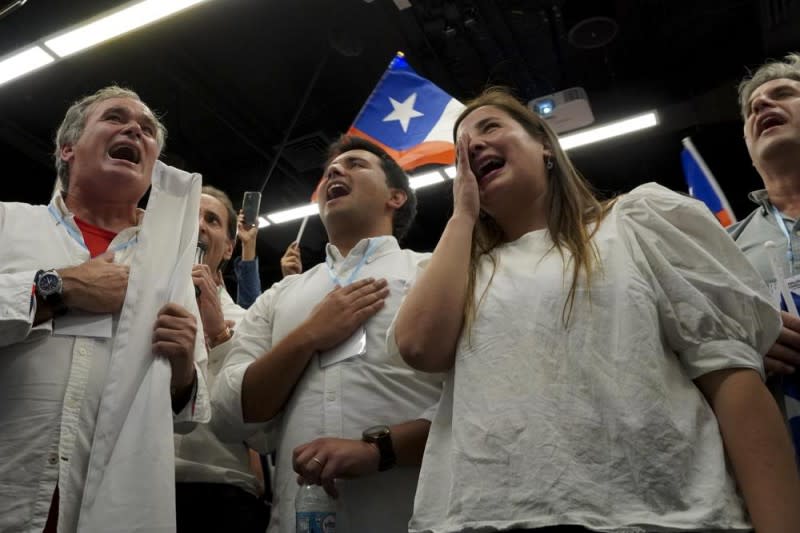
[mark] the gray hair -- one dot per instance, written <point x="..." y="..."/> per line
<point x="74" y="122"/>
<point x="789" y="68"/>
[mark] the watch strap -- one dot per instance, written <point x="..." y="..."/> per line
<point x="383" y="441"/>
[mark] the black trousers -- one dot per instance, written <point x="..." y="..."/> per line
<point x="216" y="507"/>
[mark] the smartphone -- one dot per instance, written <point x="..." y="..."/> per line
<point x="251" y="203"/>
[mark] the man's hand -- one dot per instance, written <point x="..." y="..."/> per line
<point x="290" y="262"/>
<point x="784" y="356"/>
<point x="323" y="460"/>
<point x="174" y="337"/>
<point x="342" y="311"/>
<point x="208" y="302"/>
<point x="97" y="286"/>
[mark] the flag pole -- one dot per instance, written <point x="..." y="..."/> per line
<point x="302" y="229"/>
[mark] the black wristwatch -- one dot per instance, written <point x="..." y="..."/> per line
<point x="50" y="289"/>
<point x="381" y="436"/>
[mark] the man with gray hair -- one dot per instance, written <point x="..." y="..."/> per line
<point x="98" y="339"/>
<point x="770" y="106"/>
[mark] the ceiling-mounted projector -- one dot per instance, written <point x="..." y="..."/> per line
<point x="565" y="110"/>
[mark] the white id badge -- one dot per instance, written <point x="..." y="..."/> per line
<point x="793" y="283"/>
<point x="354" y="346"/>
<point x="82" y="324"/>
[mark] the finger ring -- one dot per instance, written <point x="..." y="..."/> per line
<point x="317" y="461"/>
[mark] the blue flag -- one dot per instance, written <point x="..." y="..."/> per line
<point x="702" y="184"/>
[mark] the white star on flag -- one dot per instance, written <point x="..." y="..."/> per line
<point x="403" y="111"/>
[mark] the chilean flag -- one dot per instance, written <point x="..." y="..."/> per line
<point x="409" y="117"/>
<point x="702" y="184"/>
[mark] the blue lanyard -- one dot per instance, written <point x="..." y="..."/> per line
<point x="75" y="234"/>
<point x="335" y="278"/>
<point x="782" y="225"/>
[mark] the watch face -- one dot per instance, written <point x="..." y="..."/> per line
<point x="376" y="432"/>
<point x="49" y="283"/>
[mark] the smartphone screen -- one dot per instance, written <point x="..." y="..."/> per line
<point x="251" y="203"/>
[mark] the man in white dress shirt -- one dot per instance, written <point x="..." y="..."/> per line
<point x="217" y="489"/>
<point x="70" y="328"/>
<point x="309" y="361"/>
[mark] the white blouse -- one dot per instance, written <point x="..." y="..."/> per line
<point x="598" y="423"/>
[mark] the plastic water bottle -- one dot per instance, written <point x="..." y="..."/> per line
<point x="315" y="511"/>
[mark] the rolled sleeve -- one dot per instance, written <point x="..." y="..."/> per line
<point x="713" y="307"/>
<point x="251" y="340"/>
<point x="17" y="309"/>
<point x="197" y="410"/>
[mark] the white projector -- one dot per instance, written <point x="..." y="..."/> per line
<point x="565" y="110"/>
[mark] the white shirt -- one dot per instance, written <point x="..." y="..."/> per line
<point x="200" y="457"/>
<point x="340" y="400"/>
<point x="599" y="424"/>
<point x="50" y="386"/>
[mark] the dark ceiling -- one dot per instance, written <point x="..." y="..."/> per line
<point x="230" y="75"/>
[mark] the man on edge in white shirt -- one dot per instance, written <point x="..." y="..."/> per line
<point x="84" y="380"/>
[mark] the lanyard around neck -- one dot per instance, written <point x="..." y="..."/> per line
<point x="78" y="237"/>
<point x="372" y="244"/>
<point x="782" y="226"/>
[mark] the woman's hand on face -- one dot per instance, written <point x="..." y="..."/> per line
<point x="466" y="197"/>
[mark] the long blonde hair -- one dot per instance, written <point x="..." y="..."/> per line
<point x="573" y="207"/>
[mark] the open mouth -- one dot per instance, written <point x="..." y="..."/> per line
<point x="125" y="152"/>
<point x="487" y="168"/>
<point x="336" y="190"/>
<point x="769" y="121"/>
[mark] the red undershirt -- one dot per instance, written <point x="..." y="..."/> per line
<point x="97" y="240"/>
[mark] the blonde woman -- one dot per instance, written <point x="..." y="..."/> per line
<point x="602" y="356"/>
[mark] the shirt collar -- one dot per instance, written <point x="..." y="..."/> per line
<point x="761" y="198"/>
<point x="60" y="206"/>
<point x="380" y="246"/>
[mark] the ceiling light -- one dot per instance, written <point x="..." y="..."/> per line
<point x="293" y="214"/>
<point x="112" y="25"/>
<point x="614" y="129"/>
<point x="23" y="62"/>
<point x="423" y="180"/>
<point x="263" y="222"/>
<point x="582" y="138"/>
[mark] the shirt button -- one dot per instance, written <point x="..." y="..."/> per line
<point x="52" y="458"/>
<point x="331" y="396"/>
<point x="83" y="351"/>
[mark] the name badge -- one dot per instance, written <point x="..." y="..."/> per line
<point x="354" y="346"/>
<point x="82" y="324"/>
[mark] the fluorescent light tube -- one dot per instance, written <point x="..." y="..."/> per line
<point x="117" y="23"/>
<point x="581" y="138"/>
<point x="293" y="214"/>
<point x="614" y="129"/>
<point x="23" y="62"/>
<point x="426" y="179"/>
<point x="263" y="222"/>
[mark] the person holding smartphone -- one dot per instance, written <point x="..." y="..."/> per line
<point x="248" y="280"/>
<point x="218" y="485"/>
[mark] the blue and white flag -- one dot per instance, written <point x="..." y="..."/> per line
<point x="702" y="184"/>
<point x="409" y="117"/>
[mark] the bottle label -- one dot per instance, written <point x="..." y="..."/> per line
<point x="316" y="522"/>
